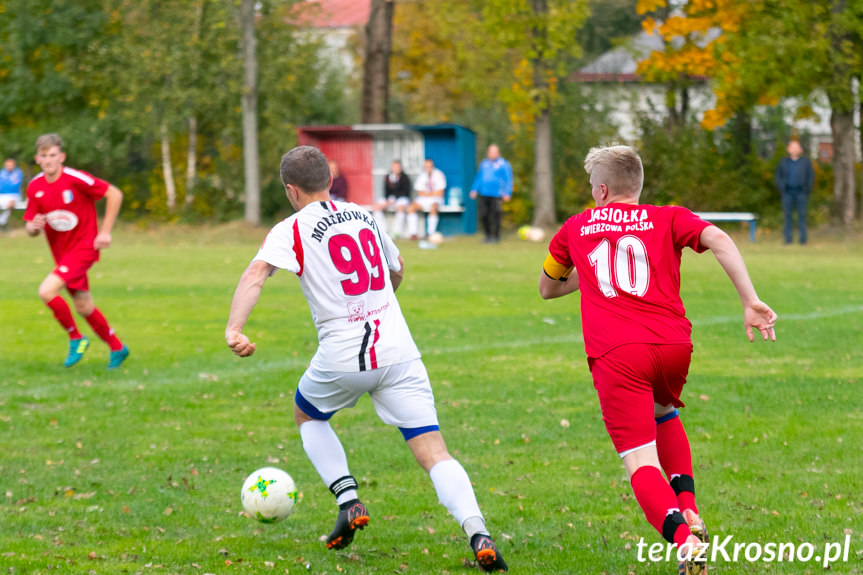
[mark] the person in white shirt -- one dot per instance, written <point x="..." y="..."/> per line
<point x="429" y="186"/>
<point x="348" y="272"/>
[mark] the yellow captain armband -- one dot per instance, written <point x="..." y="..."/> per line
<point x="555" y="270"/>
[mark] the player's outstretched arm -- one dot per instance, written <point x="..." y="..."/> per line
<point x="756" y="313"/>
<point x="113" y="201"/>
<point x="245" y="297"/>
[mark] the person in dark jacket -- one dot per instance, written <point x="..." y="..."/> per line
<point x="795" y="177"/>
<point x="339" y="189"/>
<point x="397" y="193"/>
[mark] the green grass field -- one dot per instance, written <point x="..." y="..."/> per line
<point x="139" y="471"/>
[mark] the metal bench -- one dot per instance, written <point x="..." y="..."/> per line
<point x="732" y="217"/>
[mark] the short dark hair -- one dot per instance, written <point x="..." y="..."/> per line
<point x="305" y="168"/>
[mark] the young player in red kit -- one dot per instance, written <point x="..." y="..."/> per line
<point x="61" y="201"/>
<point x="627" y="262"/>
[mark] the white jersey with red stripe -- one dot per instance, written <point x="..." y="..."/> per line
<point x="343" y="262"/>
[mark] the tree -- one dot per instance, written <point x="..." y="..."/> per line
<point x="770" y="51"/>
<point x="687" y="34"/>
<point x="376" y="63"/>
<point x="249" y="99"/>
<point x="538" y="39"/>
<point x="480" y="60"/>
<point x="47" y="79"/>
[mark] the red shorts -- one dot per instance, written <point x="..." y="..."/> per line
<point x="73" y="268"/>
<point x="630" y="379"/>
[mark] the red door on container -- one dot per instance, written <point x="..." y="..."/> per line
<point x="353" y="153"/>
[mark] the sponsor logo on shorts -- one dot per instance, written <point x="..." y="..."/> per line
<point x="63" y="269"/>
<point x="62" y="220"/>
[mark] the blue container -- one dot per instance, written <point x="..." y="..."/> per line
<point x="453" y="150"/>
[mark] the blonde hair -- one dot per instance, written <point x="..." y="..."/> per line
<point x="49" y="141"/>
<point x="618" y="167"/>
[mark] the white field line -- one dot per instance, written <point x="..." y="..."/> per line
<point x="253" y="366"/>
<point x="783" y="317"/>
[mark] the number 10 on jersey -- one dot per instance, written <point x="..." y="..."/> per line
<point x="624" y="267"/>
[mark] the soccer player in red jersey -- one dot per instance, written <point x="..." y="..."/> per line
<point x="62" y="202"/>
<point x="626" y="257"/>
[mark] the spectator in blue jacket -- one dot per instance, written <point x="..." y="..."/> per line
<point x="794" y="179"/>
<point x="493" y="185"/>
<point x="10" y="189"/>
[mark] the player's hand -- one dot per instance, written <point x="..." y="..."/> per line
<point x="473" y="194"/>
<point x="240" y="344"/>
<point x="758" y="315"/>
<point x="37" y="223"/>
<point x="507" y="198"/>
<point x="102" y="241"/>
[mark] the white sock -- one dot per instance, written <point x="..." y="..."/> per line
<point x="455" y="491"/>
<point x="399" y="223"/>
<point x="381" y="219"/>
<point x="413" y="223"/>
<point x="326" y="453"/>
<point x="431" y="223"/>
<point x="4" y="217"/>
<point x="474" y="525"/>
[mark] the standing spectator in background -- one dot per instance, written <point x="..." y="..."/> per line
<point x="493" y="184"/>
<point x="430" y="186"/>
<point x="794" y="179"/>
<point x="339" y="190"/>
<point x="10" y="189"/>
<point x="397" y="192"/>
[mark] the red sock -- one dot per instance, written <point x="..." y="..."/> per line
<point x="100" y="325"/>
<point x="64" y="316"/>
<point x="658" y="502"/>
<point x="672" y="445"/>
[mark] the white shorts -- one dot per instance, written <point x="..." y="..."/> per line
<point x="426" y="202"/>
<point x="398" y="202"/>
<point x="401" y="393"/>
<point x="6" y="199"/>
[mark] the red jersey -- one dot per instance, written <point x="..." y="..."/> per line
<point x="69" y="204"/>
<point x="628" y="263"/>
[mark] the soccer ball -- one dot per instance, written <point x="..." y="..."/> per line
<point x="436" y="238"/>
<point x="531" y="233"/>
<point x="269" y="495"/>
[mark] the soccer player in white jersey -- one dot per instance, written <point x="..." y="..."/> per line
<point x="349" y="272"/>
